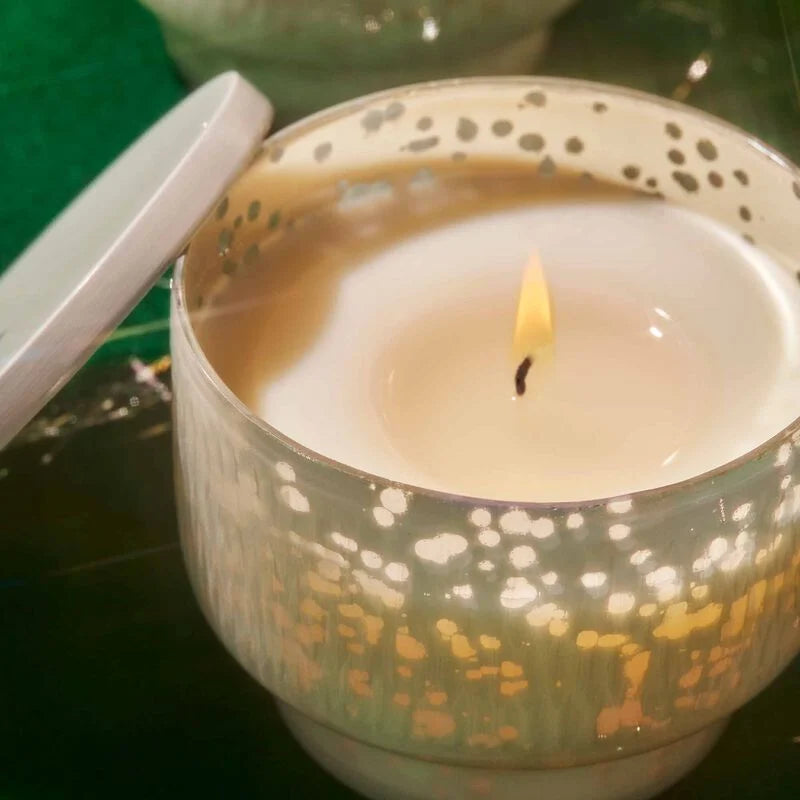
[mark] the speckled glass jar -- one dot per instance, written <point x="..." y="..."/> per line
<point x="307" y="55"/>
<point x="608" y="667"/>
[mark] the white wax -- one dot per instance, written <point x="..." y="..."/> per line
<point x="677" y="349"/>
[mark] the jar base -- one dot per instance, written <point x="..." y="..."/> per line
<point x="384" y="775"/>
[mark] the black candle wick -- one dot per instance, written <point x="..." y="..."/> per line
<point x="521" y="374"/>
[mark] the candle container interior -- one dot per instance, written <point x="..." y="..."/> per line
<point x="411" y="653"/>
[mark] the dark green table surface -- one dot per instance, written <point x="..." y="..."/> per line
<point x="111" y="684"/>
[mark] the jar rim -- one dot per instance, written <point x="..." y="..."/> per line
<point x="308" y="124"/>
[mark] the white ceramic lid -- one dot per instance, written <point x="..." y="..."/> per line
<point x="90" y="266"/>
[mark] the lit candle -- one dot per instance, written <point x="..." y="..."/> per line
<point x="676" y="344"/>
<point x="371" y="288"/>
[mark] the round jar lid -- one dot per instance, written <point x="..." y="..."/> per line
<point x="93" y="263"/>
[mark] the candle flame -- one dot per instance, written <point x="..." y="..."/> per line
<point x="533" y="331"/>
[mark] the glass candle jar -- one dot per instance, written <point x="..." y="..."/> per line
<point x="412" y="653"/>
<point x="308" y="55"/>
